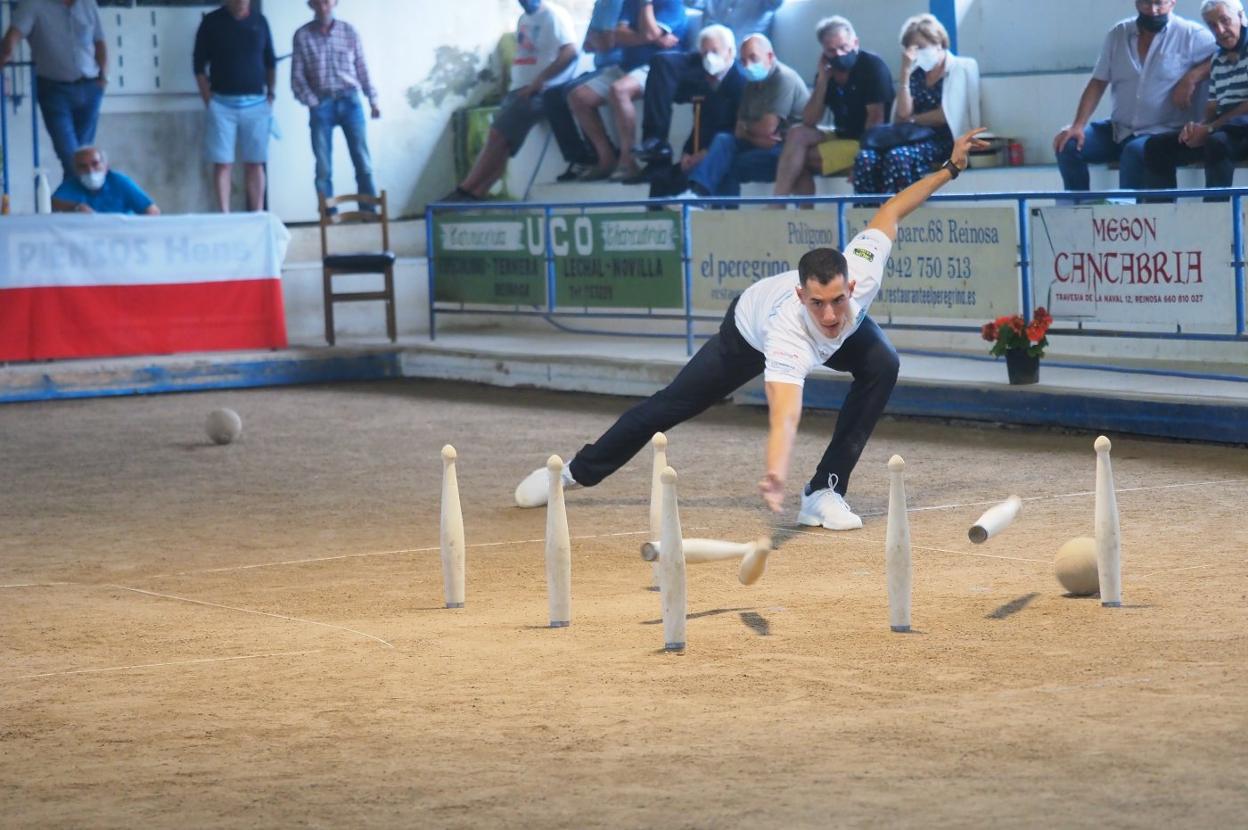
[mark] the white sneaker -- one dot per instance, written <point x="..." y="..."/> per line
<point x="534" y="490"/>
<point x="827" y="507"/>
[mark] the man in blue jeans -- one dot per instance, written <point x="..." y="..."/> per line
<point x="1152" y="65"/>
<point x="327" y="74"/>
<point x="774" y="98"/>
<point x="71" y="68"/>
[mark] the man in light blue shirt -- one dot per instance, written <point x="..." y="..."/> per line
<point x="95" y="189"/>
<point x="1151" y="64"/>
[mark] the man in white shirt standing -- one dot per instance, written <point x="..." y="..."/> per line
<point x="1152" y="65"/>
<point x="782" y="327"/>
<point x="545" y="57"/>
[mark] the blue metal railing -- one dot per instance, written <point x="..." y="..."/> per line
<point x="689" y="317"/>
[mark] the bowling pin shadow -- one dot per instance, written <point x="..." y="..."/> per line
<point x="1012" y="607"/>
<point x="756" y="623"/>
<point x="710" y="613"/>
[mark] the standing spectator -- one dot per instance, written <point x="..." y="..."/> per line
<point x="939" y="91"/>
<point x="1221" y="138"/>
<point x="545" y="58"/>
<point x="856" y="87"/>
<point x="774" y="98"/>
<point x="71" y="68"/>
<point x="677" y="76"/>
<point x="1151" y="64"/>
<point x="718" y="113"/>
<point x="97" y="189"/>
<point x="236" y="46"/>
<point x="657" y="24"/>
<point x="327" y="75"/>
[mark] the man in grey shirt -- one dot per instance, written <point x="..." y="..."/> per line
<point x="773" y="99"/>
<point x="71" y="68"/>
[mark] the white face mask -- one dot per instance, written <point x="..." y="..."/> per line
<point x="93" y="180"/>
<point x="714" y="63"/>
<point x="927" y="58"/>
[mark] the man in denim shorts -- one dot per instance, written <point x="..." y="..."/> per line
<point x="236" y="70"/>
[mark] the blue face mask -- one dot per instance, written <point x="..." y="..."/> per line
<point x="530" y="6"/>
<point x="757" y="71"/>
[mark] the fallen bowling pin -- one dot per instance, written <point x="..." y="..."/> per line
<point x="754" y="563"/>
<point x="558" y="549"/>
<point x="698" y="551"/>
<point x="452" y="533"/>
<point x="995" y="519"/>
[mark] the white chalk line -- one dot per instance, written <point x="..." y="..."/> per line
<point x="341" y="556"/>
<point x="35" y="585"/>
<point x="170" y="663"/>
<point x="1175" y="570"/>
<point x="253" y="611"/>
<point x="850" y="536"/>
<point x="1077" y="494"/>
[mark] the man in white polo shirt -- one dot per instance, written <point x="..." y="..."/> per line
<point x="782" y="327"/>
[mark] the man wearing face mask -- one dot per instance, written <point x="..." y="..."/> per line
<point x="95" y="189"/>
<point x="1151" y="64"/>
<point x="773" y="100"/>
<point x="856" y="87"/>
<point x="718" y="114"/>
<point x="680" y="76"/>
<point x="1221" y="138"/>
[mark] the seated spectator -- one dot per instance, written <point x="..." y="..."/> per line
<point x="657" y="24"/>
<point x="545" y="58"/>
<point x="1222" y="138"/>
<point x="677" y="76"/>
<point x="1152" y="65"/>
<point x="856" y="87"/>
<point x="938" y="97"/>
<point x="717" y="51"/>
<point x="95" y="189"/>
<point x="773" y="99"/>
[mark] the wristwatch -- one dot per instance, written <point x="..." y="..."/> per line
<point x="953" y="169"/>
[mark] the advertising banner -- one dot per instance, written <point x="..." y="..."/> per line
<point x="949" y="263"/>
<point x="489" y="258"/>
<point x="618" y="260"/>
<point x="732" y="249"/>
<point x="1165" y="265"/>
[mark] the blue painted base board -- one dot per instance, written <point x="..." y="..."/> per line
<point x="194" y="374"/>
<point x="1195" y="420"/>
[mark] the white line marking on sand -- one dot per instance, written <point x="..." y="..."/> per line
<point x="170" y="663"/>
<point x="252" y="611"/>
<point x="1175" y="570"/>
<point x="853" y="537"/>
<point x="428" y="549"/>
<point x="1077" y="494"/>
<point x="35" y="585"/>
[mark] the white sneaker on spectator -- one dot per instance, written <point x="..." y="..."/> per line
<point x="535" y="489"/>
<point x="827" y="507"/>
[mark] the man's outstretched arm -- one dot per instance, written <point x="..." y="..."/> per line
<point x="903" y="204"/>
<point x="784" y="412"/>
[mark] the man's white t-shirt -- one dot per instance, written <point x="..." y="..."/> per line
<point x="539" y="36"/>
<point x="773" y="320"/>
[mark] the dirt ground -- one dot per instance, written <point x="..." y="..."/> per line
<point x="252" y="635"/>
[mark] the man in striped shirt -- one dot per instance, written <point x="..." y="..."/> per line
<point x="1222" y="138"/>
<point x="328" y="73"/>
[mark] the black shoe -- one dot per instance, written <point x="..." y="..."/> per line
<point x="653" y="151"/>
<point x="575" y="171"/>
<point x="460" y="195"/>
<point x="645" y="175"/>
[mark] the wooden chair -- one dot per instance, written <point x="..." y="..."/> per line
<point x="381" y="262"/>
